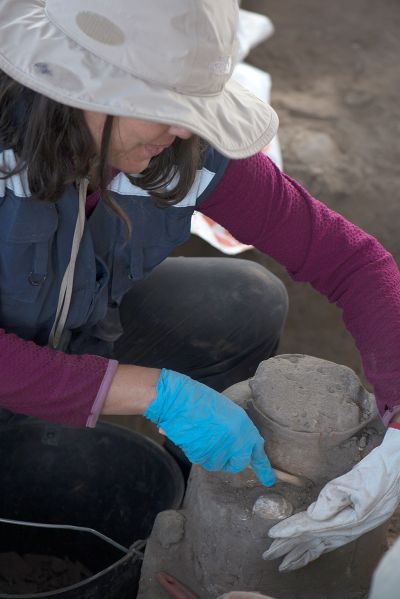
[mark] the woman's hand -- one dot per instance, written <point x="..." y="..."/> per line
<point x="347" y="507"/>
<point x="209" y="428"/>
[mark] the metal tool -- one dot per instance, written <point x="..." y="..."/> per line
<point x="297" y="481"/>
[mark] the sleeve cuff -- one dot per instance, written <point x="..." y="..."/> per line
<point x="389" y="413"/>
<point x="102" y="394"/>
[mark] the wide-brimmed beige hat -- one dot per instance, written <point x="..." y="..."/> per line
<point x="168" y="61"/>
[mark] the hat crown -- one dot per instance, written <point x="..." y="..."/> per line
<point x="185" y="45"/>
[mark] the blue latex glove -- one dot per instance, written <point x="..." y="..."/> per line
<point x="209" y="428"/>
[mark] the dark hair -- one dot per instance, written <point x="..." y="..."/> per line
<point x="53" y="142"/>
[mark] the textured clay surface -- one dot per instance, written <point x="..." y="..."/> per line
<point x="307" y="394"/>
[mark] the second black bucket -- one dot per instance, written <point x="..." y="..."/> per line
<point x="108" y="479"/>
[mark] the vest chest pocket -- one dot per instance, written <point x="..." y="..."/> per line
<point x="26" y="231"/>
<point x="156" y="232"/>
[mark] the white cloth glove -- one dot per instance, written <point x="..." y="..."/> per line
<point x="386" y="579"/>
<point x="346" y="508"/>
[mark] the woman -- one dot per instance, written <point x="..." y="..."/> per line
<point x="134" y="105"/>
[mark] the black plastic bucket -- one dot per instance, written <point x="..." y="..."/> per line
<point x="108" y="479"/>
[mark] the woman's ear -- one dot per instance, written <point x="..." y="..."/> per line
<point x="180" y="132"/>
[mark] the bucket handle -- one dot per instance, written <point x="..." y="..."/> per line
<point x="136" y="547"/>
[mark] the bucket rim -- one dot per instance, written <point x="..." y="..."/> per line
<point x="124" y="431"/>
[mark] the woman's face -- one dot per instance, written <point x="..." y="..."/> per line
<point x="133" y="142"/>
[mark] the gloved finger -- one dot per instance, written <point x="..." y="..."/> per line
<point x="261" y="466"/>
<point x="302" y="524"/>
<point x="302" y="555"/>
<point x="237" y="463"/>
<point x="294" y="527"/>
<point x="310" y="550"/>
<point x="331" y="501"/>
<point x="280" y="547"/>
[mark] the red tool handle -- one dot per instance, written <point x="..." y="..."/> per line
<point x="175" y="588"/>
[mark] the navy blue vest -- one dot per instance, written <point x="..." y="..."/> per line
<point x="35" y="247"/>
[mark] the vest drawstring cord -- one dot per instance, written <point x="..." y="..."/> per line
<point x="64" y="298"/>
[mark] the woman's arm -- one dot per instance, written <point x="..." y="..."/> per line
<point x="211" y="430"/>
<point x="263" y="207"/>
<point x="132" y="390"/>
<point x="44" y="383"/>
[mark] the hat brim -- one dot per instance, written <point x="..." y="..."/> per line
<point x="235" y="122"/>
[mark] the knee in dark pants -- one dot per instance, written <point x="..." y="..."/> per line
<point x="214" y="319"/>
<point x="248" y="314"/>
<point x="261" y="307"/>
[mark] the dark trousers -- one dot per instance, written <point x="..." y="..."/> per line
<point x="214" y="319"/>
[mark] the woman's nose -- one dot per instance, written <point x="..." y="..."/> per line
<point x="180" y="132"/>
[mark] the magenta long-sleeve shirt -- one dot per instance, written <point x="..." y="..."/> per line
<point x="263" y="207"/>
